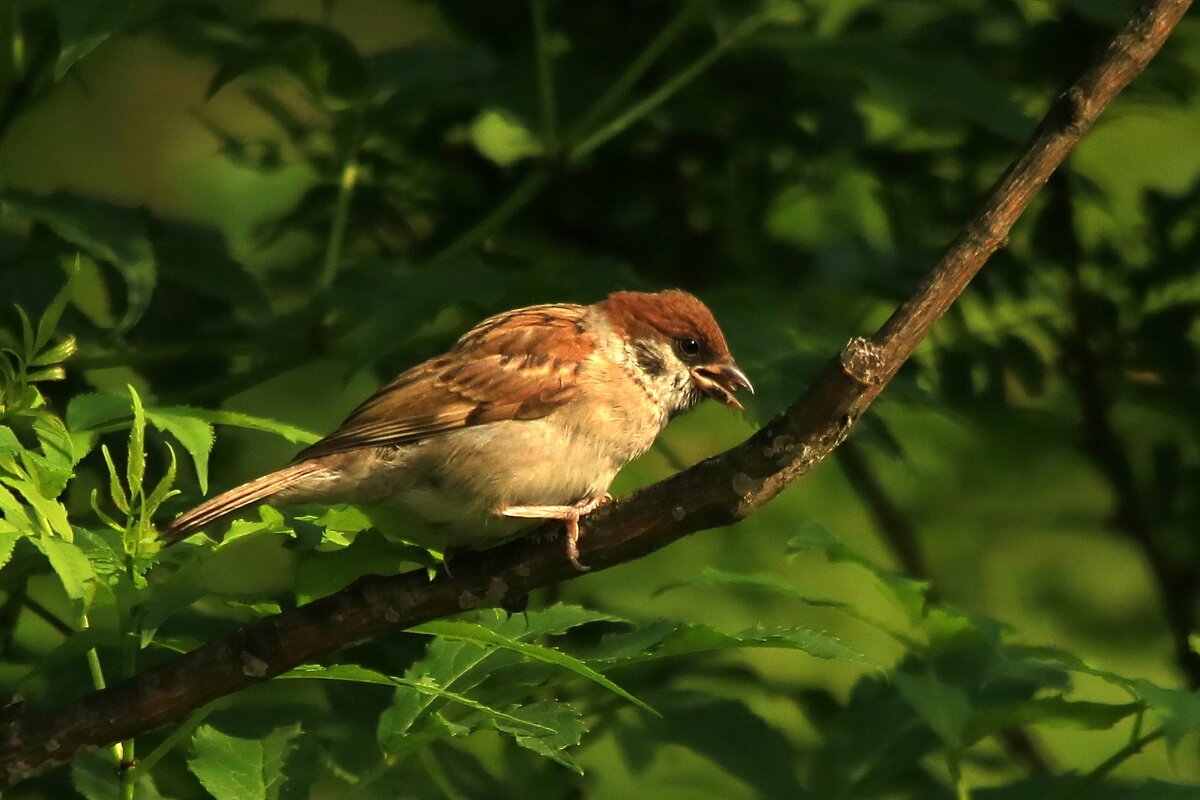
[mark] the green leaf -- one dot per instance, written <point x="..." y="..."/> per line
<point x="357" y="674"/>
<point x="228" y="767"/>
<point x="84" y="24"/>
<point x="234" y="419"/>
<point x="562" y="728"/>
<point x="946" y="708"/>
<point x="57" y="444"/>
<point x="94" y="412"/>
<point x="69" y="563"/>
<point x="711" y="576"/>
<point x="48" y="322"/>
<point x="665" y="640"/>
<point x="195" y="435"/>
<point x="478" y="634"/>
<point x="1179" y="710"/>
<point x="1055" y="712"/>
<point x="51" y="513"/>
<point x="105" y="231"/>
<point x="8" y="541"/>
<point x="909" y="594"/>
<point x="115" y="490"/>
<point x="552" y="621"/>
<point x="276" y="747"/>
<point x="135" y="466"/>
<point x="503" y="137"/>
<point x="56" y="354"/>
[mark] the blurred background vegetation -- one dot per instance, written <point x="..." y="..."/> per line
<point x="270" y="207"/>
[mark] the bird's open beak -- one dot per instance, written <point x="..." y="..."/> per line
<point x="720" y="381"/>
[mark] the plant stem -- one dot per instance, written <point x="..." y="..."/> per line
<point x="665" y="92"/>
<point x="961" y="790"/>
<point x="48" y="616"/>
<point x="181" y="732"/>
<point x="633" y="73"/>
<point x="1089" y="781"/>
<point x="545" y="75"/>
<point x="341" y="216"/>
<point x="536" y="180"/>
<point x="97" y="673"/>
<point x="526" y="190"/>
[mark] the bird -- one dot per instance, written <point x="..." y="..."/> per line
<point x="528" y="416"/>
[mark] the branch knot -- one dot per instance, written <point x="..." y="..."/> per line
<point x="862" y="360"/>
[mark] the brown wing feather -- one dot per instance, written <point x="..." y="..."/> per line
<point x="499" y="370"/>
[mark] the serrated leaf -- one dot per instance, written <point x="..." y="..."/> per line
<point x="711" y="576"/>
<point x="135" y="465"/>
<point x="50" y="512"/>
<point x="552" y="621"/>
<point x="195" y="435"/>
<point x="909" y="593"/>
<point x="276" y="747"/>
<point x="1179" y="710"/>
<point x="56" y="354"/>
<point x="357" y="674"/>
<point x="92" y="412"/>
<point x="162" y="489"/>
<point x="115" y="490"/>
<point x="237" y="420"/>
<point x="45" y="374"/>
<point x="8" y="541"/>
<point x="562" y="723"/>
<point x="667" y="640"/>
<point x="56" y="442"/>
<point x="228" y="767"/>
<point x="69" y="563"/>
<point x="478" y="634"/>
<point x="9" y="443"/>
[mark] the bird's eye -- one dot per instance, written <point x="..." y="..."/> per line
<point x="687" y="348"/>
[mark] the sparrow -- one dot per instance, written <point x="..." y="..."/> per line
<point x="529" y="416"/>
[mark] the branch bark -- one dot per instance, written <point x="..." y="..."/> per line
<point x="716" y="492"/>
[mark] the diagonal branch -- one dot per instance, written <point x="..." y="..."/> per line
<point x="716" y="492"/>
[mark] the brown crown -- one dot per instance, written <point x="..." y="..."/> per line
<point x="671" y="314"/>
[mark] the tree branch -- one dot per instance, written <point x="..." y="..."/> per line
<point x="715" y="492"/>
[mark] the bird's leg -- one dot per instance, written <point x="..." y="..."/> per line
<point x="568" y="514"/>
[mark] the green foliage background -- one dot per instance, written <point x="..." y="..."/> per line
<point x="260" y="210"/>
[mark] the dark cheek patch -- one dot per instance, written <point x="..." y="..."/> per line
<point x="650" y="362"/>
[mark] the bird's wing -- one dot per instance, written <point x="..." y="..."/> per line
<point x="523" y="364"/>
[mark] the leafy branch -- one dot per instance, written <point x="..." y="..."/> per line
<point x="719" y="491"/>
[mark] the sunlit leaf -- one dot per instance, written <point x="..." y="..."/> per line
<point x="230" y="768"/>
<point x="478" y="634"/>
<point x="73" y="568"/>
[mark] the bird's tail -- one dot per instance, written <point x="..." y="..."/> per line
<point x="236" y="499"/>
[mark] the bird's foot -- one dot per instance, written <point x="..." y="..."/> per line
<point x="568" y="514"/>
